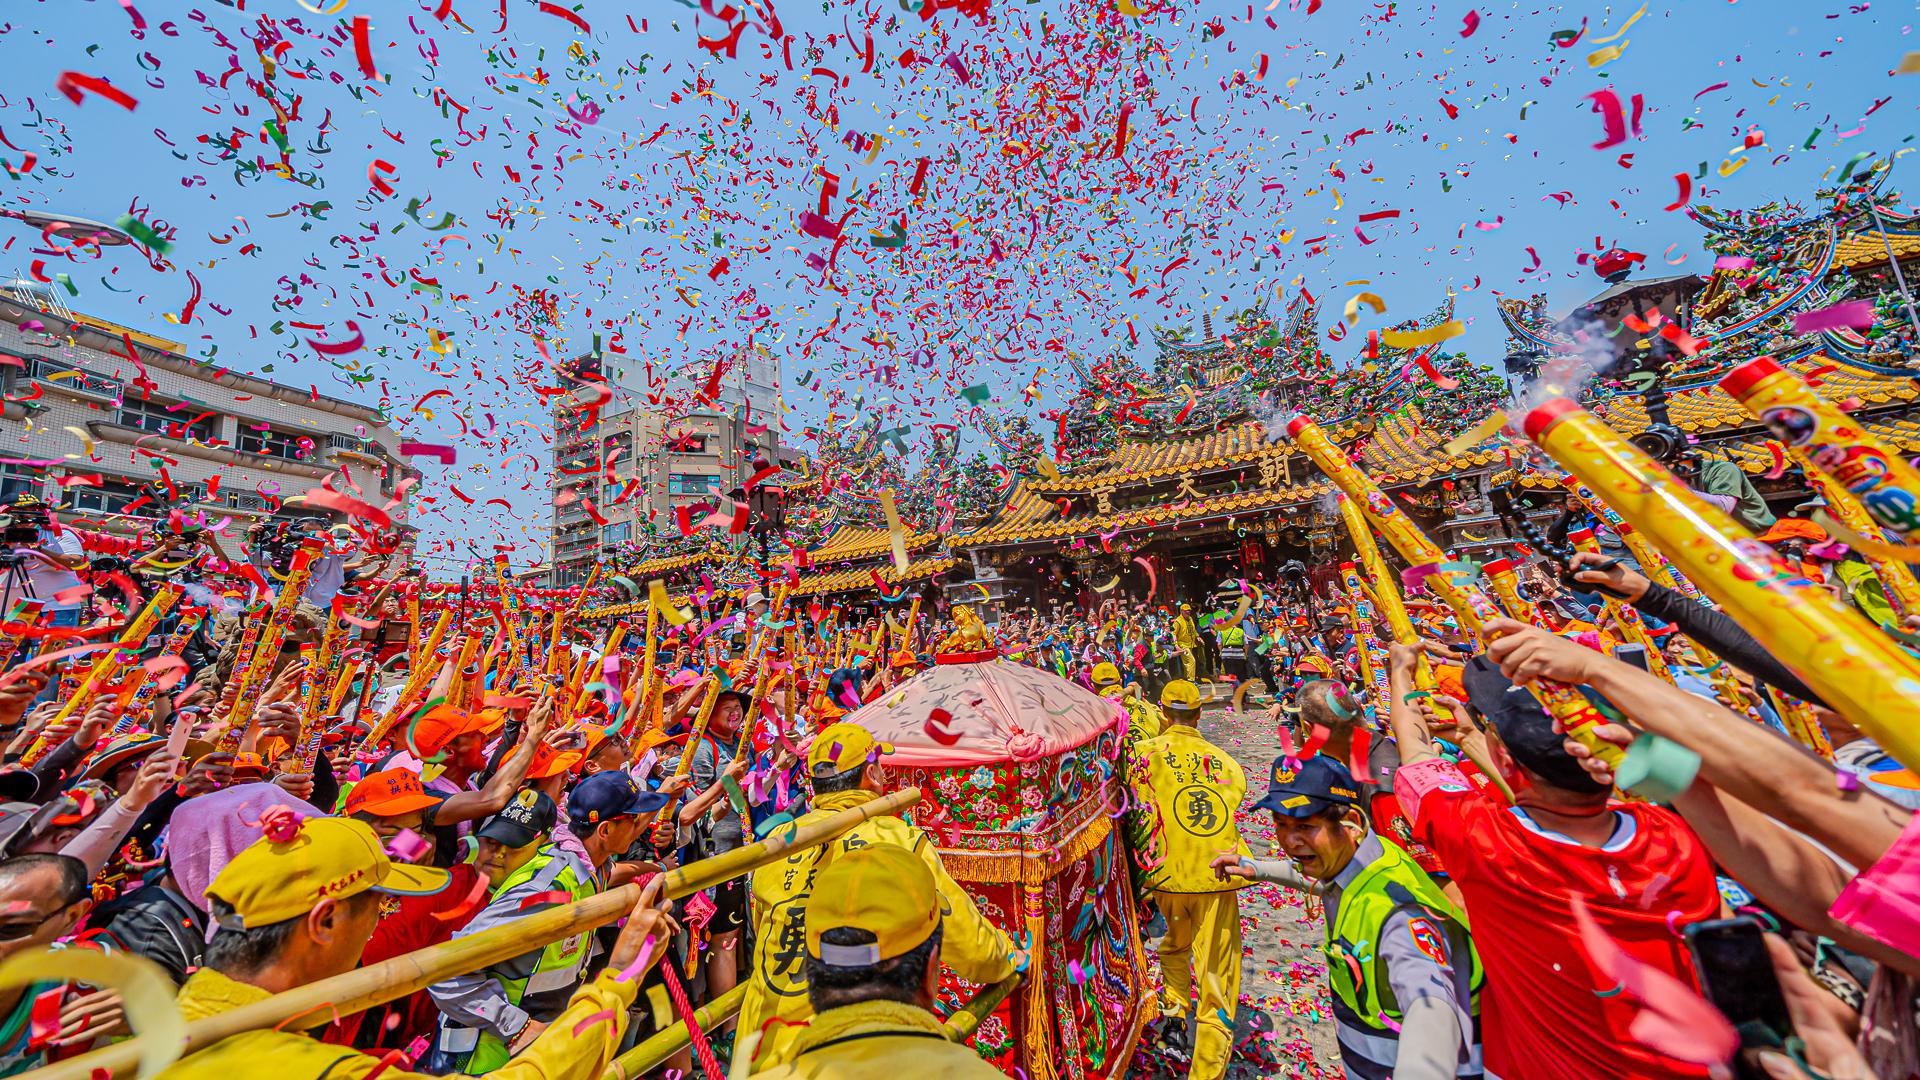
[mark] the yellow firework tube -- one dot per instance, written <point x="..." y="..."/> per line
<point x="1625" y="615"/>
<point x="1506" y="588"/>
<point x="1856" y="669"/>
<point x="1868" y="485"/>
<point x="1652" y="562"/>
<point x="1373" y="668"/>
<point x="108" y="664"/>
<point x="1575" y="713"/>
<point x="1842" y="450"/>
<point x="1385" y="591"/>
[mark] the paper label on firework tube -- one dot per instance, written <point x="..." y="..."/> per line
<point x="1579" y="536"/>
<point x="1497" y="566"/>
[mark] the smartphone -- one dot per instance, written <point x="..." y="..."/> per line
<point x="1633" y="654"/>
<point x="1736" y="974"/>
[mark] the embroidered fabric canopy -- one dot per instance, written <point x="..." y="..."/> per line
<point x="981" y="713"/>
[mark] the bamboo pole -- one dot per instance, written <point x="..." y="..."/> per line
<point x="963" y="1023"/>
<point x="668" y="1041"/>
<point x="376" y="984"/>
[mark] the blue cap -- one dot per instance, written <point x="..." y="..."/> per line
<point x="608" y="795"/>
<point x="1303" y="788"/>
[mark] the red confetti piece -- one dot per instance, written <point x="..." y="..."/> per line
<point x="72" y="83"/>
<point x="363" y="47"/>
<point x="936" y="727"/>
<point x="1686" y="191"/>
<point x="1471" y="23"/>
<point x="570" y="16"/>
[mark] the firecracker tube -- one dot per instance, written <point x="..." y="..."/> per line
<point x="1862" y="673"/>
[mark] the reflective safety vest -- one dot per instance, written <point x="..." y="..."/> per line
<point x="1355" y="968"/>
<point x="542" y="990"/>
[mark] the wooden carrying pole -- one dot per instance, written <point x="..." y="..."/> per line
<point x="376" y="984"/>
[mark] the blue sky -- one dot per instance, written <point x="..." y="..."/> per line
<point x="620" y="191"/>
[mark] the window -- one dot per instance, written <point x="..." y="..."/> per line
<point x="691" y="483"/>
<point x="15" y="479"/>
<point x="613" y="534"/>
<point x="271" y="443"/>
<point x="108" y="497"/>
<point x="72" y="378"/>
<point x="611" y="493"/>
<point x="687" y="443"/>
<point x="169" y="419"/>
<point x="353" y="443"/>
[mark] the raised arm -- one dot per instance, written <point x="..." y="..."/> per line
<point x="1767" y="771"/>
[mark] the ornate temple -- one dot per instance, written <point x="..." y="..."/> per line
<point x="1167" y="483"/>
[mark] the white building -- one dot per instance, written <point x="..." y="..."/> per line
<point x="642" y="460"/>
<point x="96" y="430"/>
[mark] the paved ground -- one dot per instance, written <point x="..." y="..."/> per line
<point x="1283" y="998"/>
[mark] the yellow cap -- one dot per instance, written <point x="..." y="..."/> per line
<point x="1180" y="694"/>
<point x="840" y="747"/>
<point x="1104" y="672"/>
<point x="328" y="858"/>
<point x="883" y="889"/>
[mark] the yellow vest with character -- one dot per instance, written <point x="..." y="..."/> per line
<point x="1355" y="968"/>
<point x="1193" y="788"/>
<point x="970" y="946"/>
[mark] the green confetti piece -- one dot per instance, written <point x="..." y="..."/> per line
<point x="144" y="233"/>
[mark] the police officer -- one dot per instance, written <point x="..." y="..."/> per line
<point x="1405" y="977"/>
<point x="491" y="1014"/>
<point x="1194" y="789"/>
<point x="844" y="764"/>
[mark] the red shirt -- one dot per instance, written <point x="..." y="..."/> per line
<point x="418" y="922"/>
<point x="1544" y="1016"/>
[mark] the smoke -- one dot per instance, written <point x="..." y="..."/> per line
<point x="1587" y="355"/>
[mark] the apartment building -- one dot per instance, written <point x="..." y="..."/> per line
<point x="117" y="425"/>
<point x="637" y="461"/>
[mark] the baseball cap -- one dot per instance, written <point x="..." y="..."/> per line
<point x="1525" y="728"/>
<point x="327" y="858"/>
<point x="608" y="795"/>
<point x="1180" y="694"/>
<point x="883" y="889"/>
<point x="1303" y="788"/>
<point x="442" y="724"/>
<point x="550" y="762"/>
<point x="20" y="821"/>
<point x="840" y="747"/>
<point x="528" y="817"/>
<point x="388" y="793"/>
<point x="127" y="748"/>
<point x="1104" y="672"/>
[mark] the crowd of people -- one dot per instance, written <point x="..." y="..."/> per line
<point x="260" y="771"/>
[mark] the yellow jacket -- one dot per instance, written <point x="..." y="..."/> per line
<point x="880" y="1040"/>
<point x="975" y="949"/>
<point x="1184" y="634"/>
<point x="287" y="1055"/>
<point x="1195" y="788"/>
<point x="1143" y="717"/>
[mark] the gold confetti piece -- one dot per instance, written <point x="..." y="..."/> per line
<point x="657" y="596"/>
<point x="895" y="532"/>
<point x="1432" y="335"/>
<point x="1477" y="434"/>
